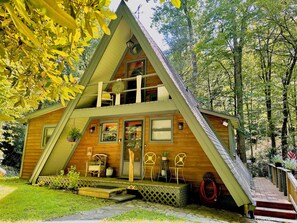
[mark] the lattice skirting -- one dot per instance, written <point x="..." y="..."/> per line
<point x="169" y="194"/>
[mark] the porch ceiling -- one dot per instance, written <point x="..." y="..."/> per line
<point x="127" y="109"/>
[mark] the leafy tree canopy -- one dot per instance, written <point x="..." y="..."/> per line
<point x="38" y="38"/>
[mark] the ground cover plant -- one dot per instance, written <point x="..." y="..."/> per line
<point x="20" y="201"/>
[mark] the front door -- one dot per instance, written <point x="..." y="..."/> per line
<point x="133" y="135"/>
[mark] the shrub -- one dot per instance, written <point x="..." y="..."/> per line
<point x="290" y="164"/>
<point x="73" y="178"/>
<point x="277" y="159"/>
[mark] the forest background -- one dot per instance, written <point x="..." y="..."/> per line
<point x="237" y="57"/>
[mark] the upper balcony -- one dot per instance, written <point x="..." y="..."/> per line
<point x="136" y="92"/>
<point x="138" y="89"/>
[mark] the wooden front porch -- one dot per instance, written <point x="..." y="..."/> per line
<point x="153" y="191"/>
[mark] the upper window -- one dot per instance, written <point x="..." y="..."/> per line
<point x="161" y="130"/>
<point x="109" y="132"/>
<point x="46" y="134"/>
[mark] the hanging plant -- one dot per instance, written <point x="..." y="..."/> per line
<point x="74" y="135"/>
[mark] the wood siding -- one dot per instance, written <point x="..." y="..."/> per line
<point x="33" y="149"/>
<point x="221" y="131"/>
<point x="197" y="163"/>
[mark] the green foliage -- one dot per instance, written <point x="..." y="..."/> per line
<point x="290" y="164"/>
<point x="74" y="134"/>
<point x="12" y="143"/>
<point x="277" y="159"/>
<point x="21" y="202"/>
<point x="73" y="178"/>
<point x="165" y="154"/>
<point x="264" y="32"/>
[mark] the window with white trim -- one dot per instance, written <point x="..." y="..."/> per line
<point x="161" y="130"/>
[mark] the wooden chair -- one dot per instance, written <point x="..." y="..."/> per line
<point x="97" y="165"/>
<point x="178" y="170"/>
<point x="107" y="98"/>
<point x="149" y="162"/>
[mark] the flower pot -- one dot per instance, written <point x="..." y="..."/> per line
<point x="71" y="140"/>
<point x="164" y="158"/>
<point x="109" y="172"/>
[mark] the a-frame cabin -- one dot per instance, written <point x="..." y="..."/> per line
<point x="135" y="91"/>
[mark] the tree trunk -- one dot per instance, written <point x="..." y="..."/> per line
<point x="284" y="134"/>
<point x="286" y="82"/>
<point x="238" y="88"/>
<point x="191" y="41"/>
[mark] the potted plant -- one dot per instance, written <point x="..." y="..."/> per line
<point x="109" y="171"/>
<point x="73" y="135"/>
<point x="164" y="155"/>
<point x="291" y="164"/>
<point x="277" y="160"/>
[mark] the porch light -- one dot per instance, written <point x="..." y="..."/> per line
<point x="225" y="123"/>
<point x="180" y="126"/>
<point x="130" y="44"/>
<point x="92" y="129"/>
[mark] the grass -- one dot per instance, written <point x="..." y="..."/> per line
<point x="20" y="202"/>
<point x="144" y="216"/>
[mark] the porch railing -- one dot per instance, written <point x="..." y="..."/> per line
<point x="284" y="180"/>
<point x="105" y="93"/>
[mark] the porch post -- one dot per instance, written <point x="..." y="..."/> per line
<point x="131" y="165"/>
<point x="99" y="96"/>
<point x="138" y="88"/>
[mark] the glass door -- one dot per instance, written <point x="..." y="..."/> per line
<point x="133" y="135"/>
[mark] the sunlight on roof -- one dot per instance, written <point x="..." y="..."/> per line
<point x="5" y="191"/>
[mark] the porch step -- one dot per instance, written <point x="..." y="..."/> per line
<point x="274" y="212"/>
<point x="123" y="197"/>
<point x="277" y="205"/>
<point x="102" y="192"/>
<point x="266" y="219"/>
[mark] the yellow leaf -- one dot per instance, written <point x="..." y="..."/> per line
<point x="2" y="51"/>
<point x="109" y="14"/>
<point x="55" y="79"/>
<point x="20" y="7"/>
<point x="23" y="104"/>
<point x="176" y="3"/>
<point x="61" y="53"/>
<point x="62" y="101"/>
<point x="66" y="78"/>
<point x="72" y="80"/>
<point x="102" y="23"/>
<point x="6" y="22"/>
<point x="88" y="26"/>
<point x="21" y="26"/>
<point x="53" y="11"/>
<point x="4" y="118"/>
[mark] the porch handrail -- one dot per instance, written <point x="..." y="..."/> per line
<point x="285" y="181"/>
<point x="124" y="79"/>
<point x="292" y="189"/>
